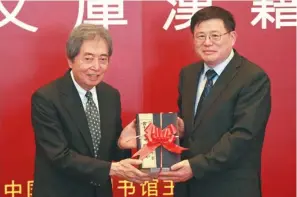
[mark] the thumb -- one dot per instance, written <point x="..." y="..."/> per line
<point x="133" y="121"/>
<point x="135" y="161"/>
<point x="132" y="124"/>
<point x="176" y="166"/>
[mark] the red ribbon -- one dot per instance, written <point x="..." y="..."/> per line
<point x="157" y="137"/>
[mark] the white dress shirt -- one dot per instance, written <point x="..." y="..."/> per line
<point x="82" y="93"/>
<point x="202" y="81"/>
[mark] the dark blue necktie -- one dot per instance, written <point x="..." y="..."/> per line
<point x="210" y="74"/>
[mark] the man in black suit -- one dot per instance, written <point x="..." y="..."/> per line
<point x="77" y="124"/>
<point x="224" y="102"/>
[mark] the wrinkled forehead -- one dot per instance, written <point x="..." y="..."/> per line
<point x="96" y="46"/>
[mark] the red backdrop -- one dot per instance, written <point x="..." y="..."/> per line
<point x="144" y="67"/>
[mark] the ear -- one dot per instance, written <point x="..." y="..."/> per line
<point x="70" y="63"/>
<point x="233" y="37"/>
<point x="193" y="39"/>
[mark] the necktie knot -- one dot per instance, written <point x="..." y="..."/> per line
<point x="210" y="74"/>
<point x="89" y="95"/>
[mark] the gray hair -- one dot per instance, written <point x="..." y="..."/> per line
<point x="86" y="32"/>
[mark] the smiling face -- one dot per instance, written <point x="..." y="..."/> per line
<point x="213" y="43"/>
<point x="91" y="63"/>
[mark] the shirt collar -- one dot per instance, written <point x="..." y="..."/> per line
<point x="220" y="67"/>
<point x="82" y="92"/>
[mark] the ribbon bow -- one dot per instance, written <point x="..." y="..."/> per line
<point x="157" y="137"/>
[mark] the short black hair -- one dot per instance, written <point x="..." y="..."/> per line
<point x="213" y="12"/>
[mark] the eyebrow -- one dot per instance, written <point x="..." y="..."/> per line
<point x="87" y="53"/>
<point x="215" y="31"/>
<point x="102" y="55"/>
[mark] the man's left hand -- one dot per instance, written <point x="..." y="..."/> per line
<point x="127" y="139"/>
<point x="180" y="172"/>
<point x="180" y="127"/>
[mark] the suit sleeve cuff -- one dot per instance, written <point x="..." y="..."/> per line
<point x="196" y="164"/>
<point x="102" y="174"/>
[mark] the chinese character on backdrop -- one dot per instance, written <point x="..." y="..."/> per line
<point x="168" y="187"/>
<point x="150" y="188"/>
<point x="263" y="8"/>
<point x="12" y="190"/>
<point x="285" y="13"/>
<point x="29" y="188"/>
<point x="128" y="187"/>
<point x="185" y="10"/>
<point x="11" y="17"/>
<point x="102" y="12"/>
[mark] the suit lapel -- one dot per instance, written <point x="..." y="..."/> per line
<point x="72" y="102"/>
<point x="103" y="101"/>
<point x="191" y="91"/>
<point x="222" y="82"/>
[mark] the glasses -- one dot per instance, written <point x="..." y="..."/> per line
<point x="102" y="60"/>
<point x="215" y="36"/>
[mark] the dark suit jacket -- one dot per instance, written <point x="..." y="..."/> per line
<point x="226" y="140"/>
<point x="65" y="165"/>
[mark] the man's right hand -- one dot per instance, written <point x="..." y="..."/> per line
<point x="125" y="169"/>
<point x="180" y="127"/>
<point x="127" y="139"/>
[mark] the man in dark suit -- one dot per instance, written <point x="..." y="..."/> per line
<point x="77" y="124"/>
<point x="224" y="102"/>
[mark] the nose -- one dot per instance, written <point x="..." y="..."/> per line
<point x="207" y="41"/>
<point x="96" y="64"/>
